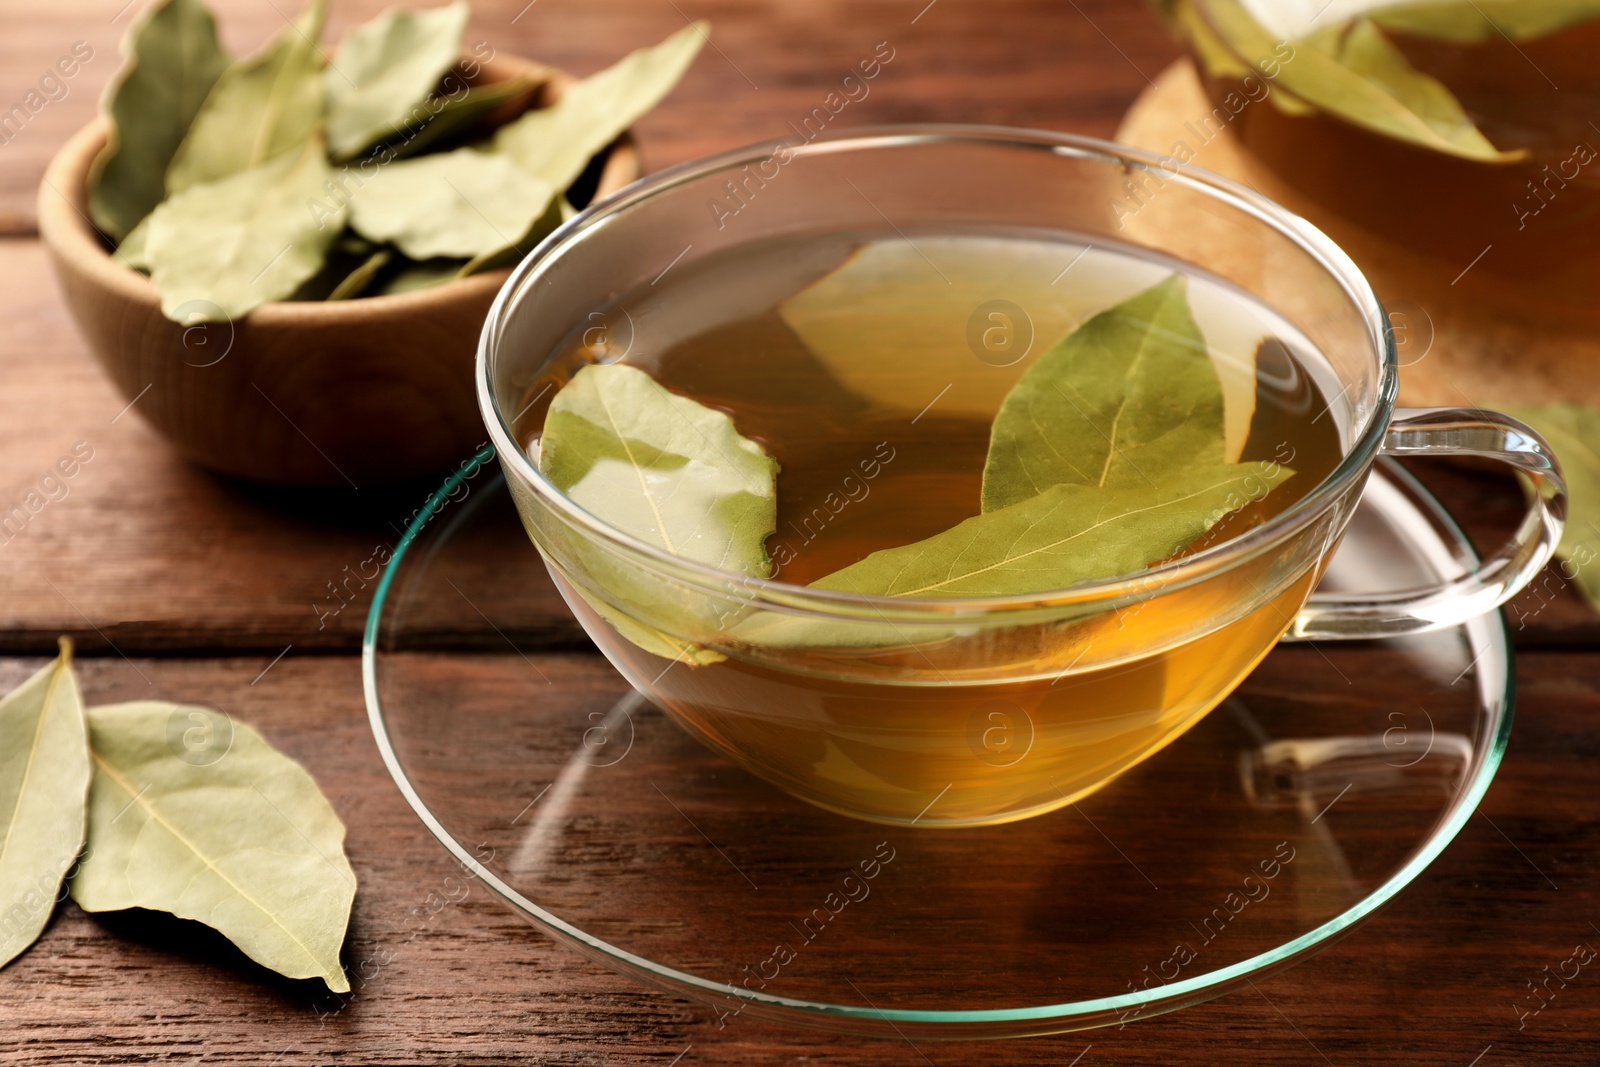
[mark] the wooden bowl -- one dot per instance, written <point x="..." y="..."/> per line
<point x="349" y="393"/>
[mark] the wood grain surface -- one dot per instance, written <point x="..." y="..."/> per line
<point x="181" y="584"/>
<point x="1432" y="980"/>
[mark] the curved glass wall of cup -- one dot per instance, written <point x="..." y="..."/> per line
<point x="986" y="180"/>
<point x="1323" y="787"/>
<point x="1235" y="596"/>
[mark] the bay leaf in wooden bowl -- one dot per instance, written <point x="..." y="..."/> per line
<point x="351" y="392"/>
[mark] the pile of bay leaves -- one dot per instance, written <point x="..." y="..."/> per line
<point x="168" y="807"/>
<point x="284" y="175"/>
<point x="1337" y="57"/>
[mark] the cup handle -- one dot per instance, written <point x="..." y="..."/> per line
<point x="1454" y="432"/>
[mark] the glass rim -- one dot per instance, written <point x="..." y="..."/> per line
<point x="831" y="603"/>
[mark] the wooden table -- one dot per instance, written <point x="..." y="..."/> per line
<point x="180" y="585"/>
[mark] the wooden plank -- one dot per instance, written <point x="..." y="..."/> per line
<point x="773" y="63"/>
<point x="1432" y="980"/>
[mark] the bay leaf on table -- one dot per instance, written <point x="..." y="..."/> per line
<point x="171" y="59"/>
<point x="246" y="844"/>
<point x="459" y="204"/>
<point x="44" y="788"/>
<point x="1353" y="72"/>
<point x="672" y="473"/>
<point x="1476" y="21"/>
<point x="1065" y="535"/>
<point x="225" y="247"/>
<point x="262" y="106"/>
<point x="1129" y="399"/>
<point x="384" y="69"/>
<point x="556" y="143"/>
<point x="1573" y="431"/>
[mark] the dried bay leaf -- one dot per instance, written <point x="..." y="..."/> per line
<point x="44" y="787"/>
<point x="407" y="276"/>
<point x="674" y="474"/>
<point x="1476" y="21"/>
<point x="456" y="114"/>
<point x="554" y="215"/>
<point x="247" y="844"/>
<point x="1129" y="399"/>
<point x="1213" y="53"/>
<point x="347" y="253"/>
<point x="664" y="468"/>
<point x="262" y="106"/>
<point x="1573" y="431"/>
<point x="171" y="61"/>
<point x="1064" y="535"/>
<point x="459" y="204"/>
<point x="555" y="143"/>
<point x="1353" y="72"/>
<point x="1363" y="49"/>
<point x="356" y="282"/>
<point x="1067" y="534"/>
<point x="384" y="69"/>
<point x="133" y="252"/>
<point x="220" y="249"/>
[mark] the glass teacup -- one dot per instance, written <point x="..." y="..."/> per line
<point x="1513" y="192"/>
<point x="946" y="711"/>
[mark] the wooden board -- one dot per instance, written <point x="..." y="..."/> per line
<point x="202" y="582"/>
<point x="1431" y="981"/>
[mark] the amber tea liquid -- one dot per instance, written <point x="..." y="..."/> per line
<point x="879" y="411"/>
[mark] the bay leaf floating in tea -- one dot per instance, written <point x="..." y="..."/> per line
<point x="1573" y="431"/>
<point x="945" y="296"/>
<point x="664" y="468"/>
<point x="219" y="249"/>
<point x="384" y="69"/>
<point x="462" y="203"/>
<point x="556" y="143"/>
<point x="1068" y="533"/>
<point x="673" y="473"/>
<point x="261" y="107"/>
<point x="171" y="59"/>
<point x="921" y="295"/>
<point x="246" y="844"/>
<point x="1130" y="399"/>
<point x="1476" y="21"/>
<point x="44" y="786"/>
<point x="1352" y="71"/>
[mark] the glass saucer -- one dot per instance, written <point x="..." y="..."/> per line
<point x="1312" y="796"/>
